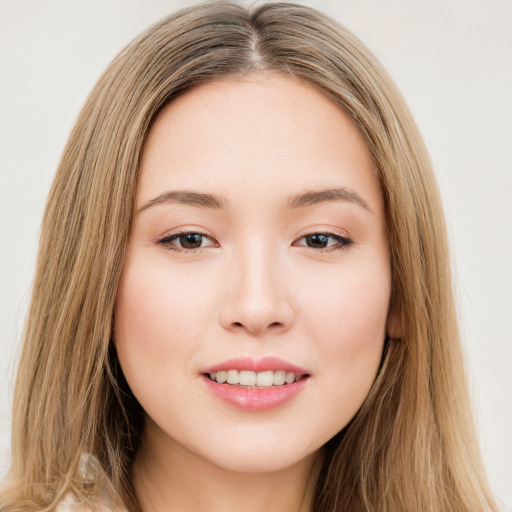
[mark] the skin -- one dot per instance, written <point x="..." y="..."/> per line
<point x="255" y="287"/>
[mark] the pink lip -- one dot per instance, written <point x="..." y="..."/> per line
<point x="252" y="399"/>
<point x="255" y="400"/>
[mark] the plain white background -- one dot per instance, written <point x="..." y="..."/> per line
<point x="452" y="60"/>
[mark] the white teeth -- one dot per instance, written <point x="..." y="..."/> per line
<point x="279" y="378"/>
<point x="247" y="378"/>
<point x="233" y="377"/>
<point x="253" y="379"/>
<point x="265" y="379"/>
<point x="290" y="377"/>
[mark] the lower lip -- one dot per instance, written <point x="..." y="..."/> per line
<point x="255" y="400"/>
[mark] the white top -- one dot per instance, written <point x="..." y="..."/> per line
<point x="105" y="497"/>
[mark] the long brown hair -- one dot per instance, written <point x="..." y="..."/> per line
<point x="411" y="447"/>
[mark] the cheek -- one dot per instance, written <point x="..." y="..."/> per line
<point x="156" y="323"/>
<point x="349" y="304"/>
<point x="348" y="320"/>
<point x="155" y="303"/>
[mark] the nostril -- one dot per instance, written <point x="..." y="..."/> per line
<point x="257" y="327"/>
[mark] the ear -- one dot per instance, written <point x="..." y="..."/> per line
<point x="394" y="325"/>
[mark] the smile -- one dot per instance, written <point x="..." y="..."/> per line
<point x="254" y="380"/>
<point x="255" y="385"/>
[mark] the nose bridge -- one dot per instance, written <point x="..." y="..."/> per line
<point x="257" y="300"/>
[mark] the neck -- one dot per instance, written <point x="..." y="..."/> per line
<point x="170" y="478"/>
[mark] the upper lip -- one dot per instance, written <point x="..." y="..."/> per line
<point x="264" y="364"/>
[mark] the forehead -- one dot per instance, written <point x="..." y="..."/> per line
<point x="262" y="134"/>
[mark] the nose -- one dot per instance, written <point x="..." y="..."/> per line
<point x="257" y="299"/>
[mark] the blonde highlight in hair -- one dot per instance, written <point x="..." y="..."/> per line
<point x="411" y="446"/>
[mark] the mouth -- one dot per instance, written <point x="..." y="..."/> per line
<point x="252" y="385"/>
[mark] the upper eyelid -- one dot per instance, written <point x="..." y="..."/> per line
<point x="325" y="230"/>
<point x="328" y="234"/>
<point x="181" y="232"/>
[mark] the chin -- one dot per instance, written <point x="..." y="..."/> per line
<point x="266" y="463"/>
<point x="255" y="458"/>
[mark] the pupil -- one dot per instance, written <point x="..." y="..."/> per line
<point x="318" y="241"/>
<point x="191" y="240"/>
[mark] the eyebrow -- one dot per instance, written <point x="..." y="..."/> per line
<point x="186" y="197"/>
<point x="204" y="200"/>
<point x="327" y="196"/>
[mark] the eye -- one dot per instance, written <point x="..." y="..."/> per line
<point x="186" y="241"/>
<point x="325" y="241"/>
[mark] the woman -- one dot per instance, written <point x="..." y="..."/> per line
<point x="243" y="294"/>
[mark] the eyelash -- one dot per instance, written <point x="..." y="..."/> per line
<point x="167" y="240"/>
<point x="342" y="242"/>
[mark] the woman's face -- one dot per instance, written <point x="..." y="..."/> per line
<point x="258" y="254"/>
